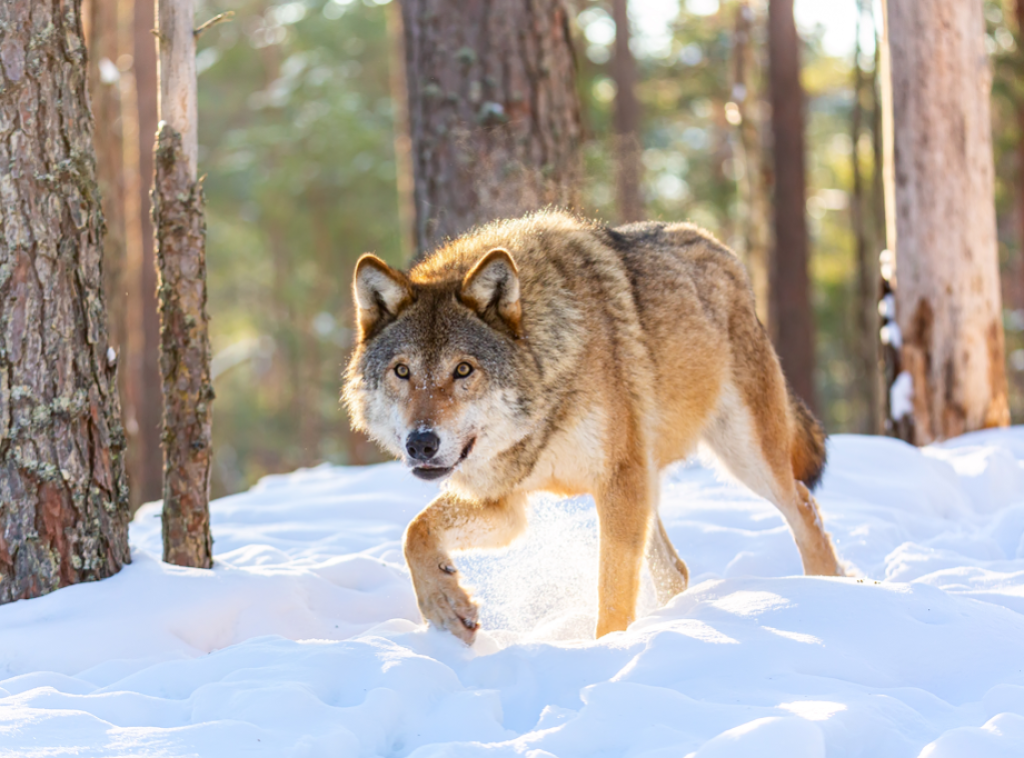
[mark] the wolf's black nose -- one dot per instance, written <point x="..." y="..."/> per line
<point x="422" y="446"/>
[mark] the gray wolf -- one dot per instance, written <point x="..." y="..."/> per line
<point x="557" y="354"/>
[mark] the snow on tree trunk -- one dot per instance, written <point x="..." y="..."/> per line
<point x="63" y="490"/>
<point x="791" y="318"/>
<point x="184" y="332"/>
<point x="939" y="182"/>
<point x="493" y="112"/>
<point x="628" y="167"/>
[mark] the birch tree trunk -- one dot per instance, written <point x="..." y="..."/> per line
<point x="493" y="112"/>
<point x="63" y="490"/>
<point x="792" y="320"/>
<point x="628" y="166"/>
<point x="940" y="183"/>
<point x="184" y="333"/>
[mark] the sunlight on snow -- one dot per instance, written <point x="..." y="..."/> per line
<point x="746" y="603"/>
<point x="807" y="639"/>
<point x="813" y="710"/>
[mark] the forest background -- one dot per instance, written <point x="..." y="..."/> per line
<point x="297" y="136"/>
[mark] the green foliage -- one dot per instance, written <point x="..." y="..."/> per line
<point x="296" y="140"/>
<point x="296" y="144"/>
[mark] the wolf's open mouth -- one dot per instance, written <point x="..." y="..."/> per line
<point x="430" y="473"/>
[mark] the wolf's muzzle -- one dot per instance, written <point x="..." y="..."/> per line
<point x="430" y="473"/>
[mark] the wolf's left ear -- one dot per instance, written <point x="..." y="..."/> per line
<point x="491" y="288"/>
<point x="379" y="292"/>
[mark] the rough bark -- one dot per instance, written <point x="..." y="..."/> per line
<point x="143" y="380"/>
<point x="63" y="491"/>
<point x="791" y="317"/>
<point x="628" y="167"/>
<point x="493" y="111"/>
<point x="184" y="324"/>
<point x="184" y="355"/>
<point x="941" y="181"/>
<point x="751" y="168"/>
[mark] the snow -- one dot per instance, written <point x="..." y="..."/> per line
<point x="305" y="640"/>
<point x="891" y="335"/>
<point x="901" y="396"/>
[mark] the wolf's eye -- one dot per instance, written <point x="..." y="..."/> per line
<point x="463" y="370"/>
<point x="402" y="371"/>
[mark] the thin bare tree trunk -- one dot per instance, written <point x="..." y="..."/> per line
<point x="143" y="381"/>
<point x="494" y="116"/>
<point x="753" y="184"/>
<point x="791" y="318"/>
<point x="940" y="178"/>
<point x="628" y="167"/>
<point x="63" y="492"/>
<point x="184" y="331"/>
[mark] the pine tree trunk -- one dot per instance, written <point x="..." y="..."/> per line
<point x="941" y="181"/>
<point x="792" y="319"/>
<point x="63" y="491"/>
<point x="494" y="116"/>
<point x="102" y="41"/>
<point x="142" y="364"/>
<point x="628" y="167"/>
<point x="184" y="331"/>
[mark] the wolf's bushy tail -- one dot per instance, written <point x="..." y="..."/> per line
<point x="808" y="446"/>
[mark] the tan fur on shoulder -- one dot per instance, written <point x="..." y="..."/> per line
<point x="552" y="353"/>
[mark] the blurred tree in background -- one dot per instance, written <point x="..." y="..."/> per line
<point x="297" y="144"/>
<point x="296" y="141"/>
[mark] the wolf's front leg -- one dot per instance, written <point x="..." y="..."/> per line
<point x="624" y="512"/>
<point x="453" y="523"/>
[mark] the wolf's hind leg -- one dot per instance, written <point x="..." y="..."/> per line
<point x="450" y="523"/>
<point x="667" y="569"/>
<point x="735" y="437"/>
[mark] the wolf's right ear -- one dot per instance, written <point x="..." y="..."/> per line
<point x="379" y="292"/>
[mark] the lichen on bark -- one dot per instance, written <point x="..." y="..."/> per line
<point x="63" y="489"/>
<point x="178" y="217"/>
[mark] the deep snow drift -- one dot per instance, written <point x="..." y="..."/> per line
<point x="305" y="641"/>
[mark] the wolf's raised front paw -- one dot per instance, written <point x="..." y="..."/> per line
<point x="445" y="604"/>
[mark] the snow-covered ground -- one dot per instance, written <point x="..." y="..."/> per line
<point x="305" y="641"/>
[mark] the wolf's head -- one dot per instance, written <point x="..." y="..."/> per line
<point x="435" y="376"/>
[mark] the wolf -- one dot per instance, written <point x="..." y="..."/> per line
<point x="552" y="353"/>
